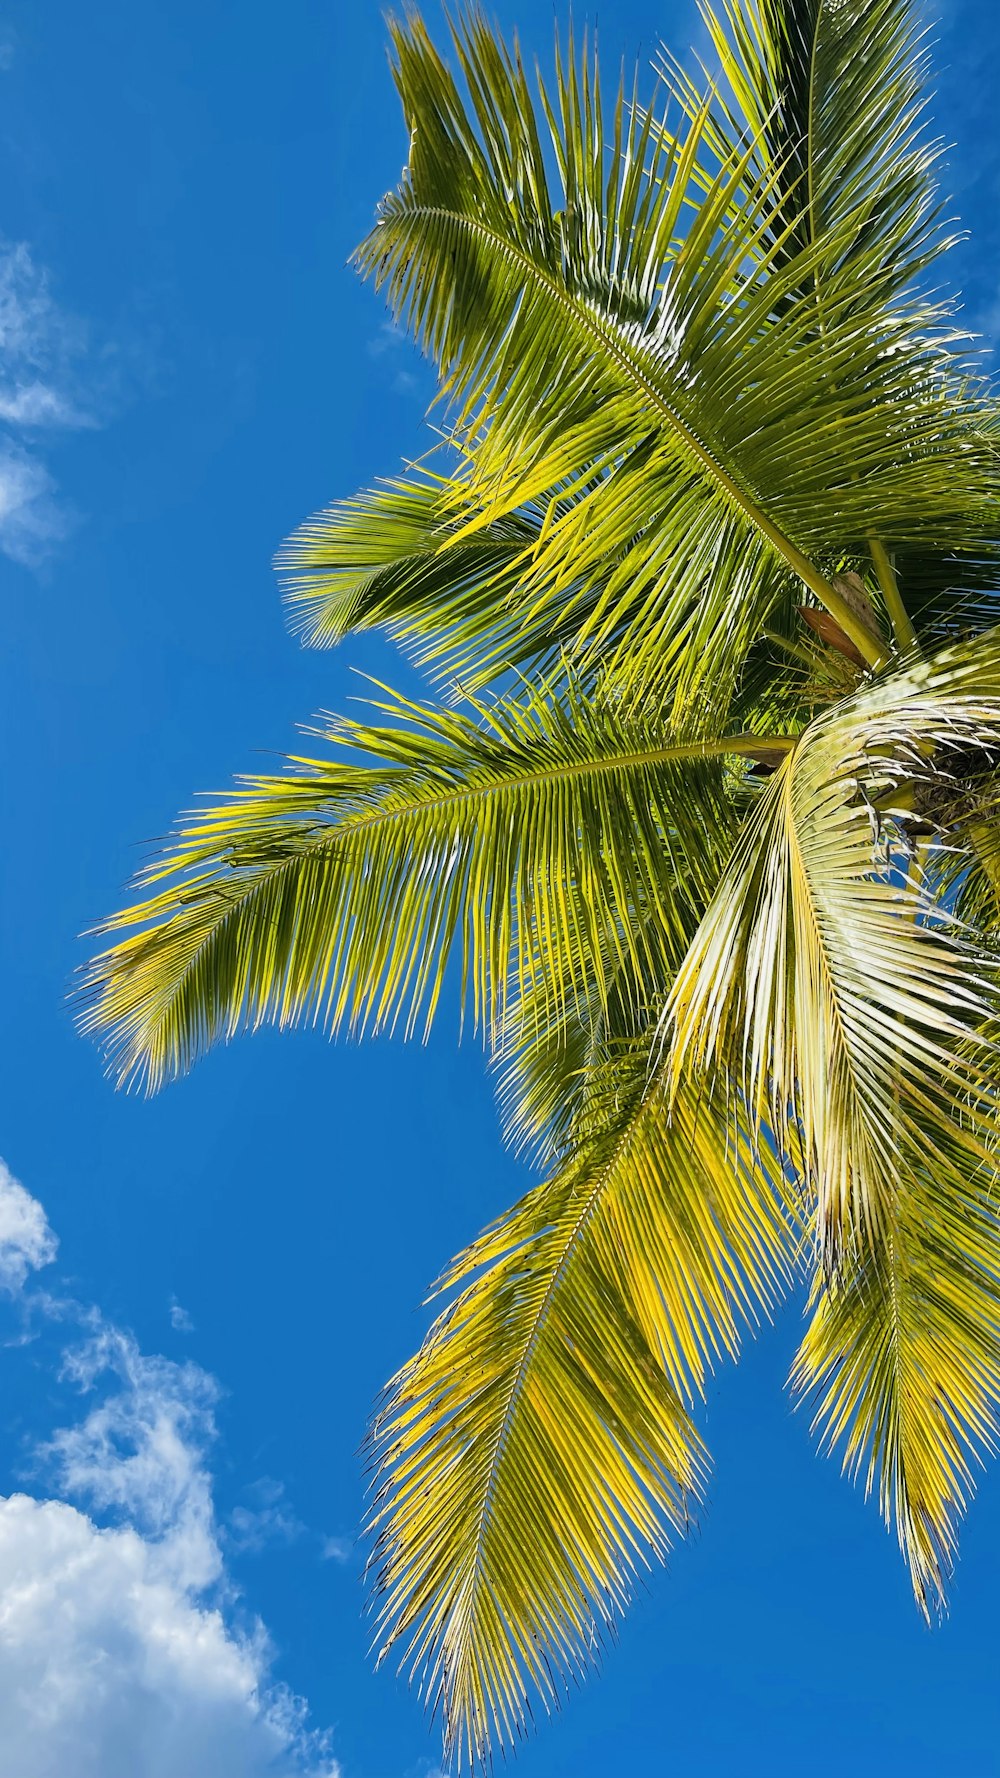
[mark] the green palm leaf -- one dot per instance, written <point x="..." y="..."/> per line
<point x="718" y="871"/>
<point x="844" y="136"/>
<point x="381" y="560"/>
<point x="538" y="1449"/>
<point x="902" y="1355"/>
<point x="824" y="963"/>
<point x="402" y="557"/>
<point x="340" y="892"/>
<point x="693" y="351"/>
<point x="862" y="1018"/>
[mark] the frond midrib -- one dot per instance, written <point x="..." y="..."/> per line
<point x="833" y="998"/>
<point x="621" y="1144"/>
<point x="369" y="819"/>
<point x="745" y="745"/>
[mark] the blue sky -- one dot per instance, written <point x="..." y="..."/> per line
<point x="187" y="368"/>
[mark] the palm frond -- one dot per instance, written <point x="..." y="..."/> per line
<point x="537" y="1450"/>
<point x="412" y="557"/>
<point x="681" y="362"/>
<point x="825" y="968"/>
<point x="863" y="1019"/>
<point x="556" y="1047"/>
<point x="832" y="95"/>
<point x="340" y="892"/>
<point x="833" y="98"/>
<point x="902" y="1355"/>
<point x="560" y="348"/>
<point x="380" y="560"/>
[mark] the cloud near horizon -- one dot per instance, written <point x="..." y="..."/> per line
<point x="124" y="1651"/>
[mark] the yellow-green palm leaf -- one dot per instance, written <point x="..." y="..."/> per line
<point x="861" y="1017"/>
<point x="902" y="1356"/>
<point x="707" y="841"/>
<point x="339" y="892"/>
<point x="538" y="1448"/>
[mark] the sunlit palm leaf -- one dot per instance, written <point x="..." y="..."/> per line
<point x="863" y="1018"/>
<point x="902" y="1356"/>
<point x="551" y="1062"/>
<point x="823" y="967"/>
<point x="379" y="561"/>
<point x="561" y="348"/>
<point x="340" y="892"/>
<point x="537" y="1450"/>
<point x="402" y="557"/>
<point x="689" y="354"/>
<point x="833" y="96"/>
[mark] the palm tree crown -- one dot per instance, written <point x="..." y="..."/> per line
<point x="704" y="810"/>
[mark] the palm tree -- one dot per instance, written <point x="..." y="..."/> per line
<point x="702" y="822"/>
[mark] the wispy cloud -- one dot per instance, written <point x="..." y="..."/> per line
<point x="124" y="1649"/>
<point x="405" y="369"/>
<point x="267" y="1519"/>
<point x="26" y="1241"/>
<point x="42" y="353"/>
<point x="180" y="1320"/>
<point x="38" y="339"/>
<point x="32" y="519"/>
<point x="337" y="1549"/>
<point x="389" y="338"/>
<point x="38" y="404"/>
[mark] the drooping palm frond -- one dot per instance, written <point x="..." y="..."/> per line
<point x="548" y="1062"/>
<point x="862" y="1017"/>
<point x="558" y="1042"/>
<point x="339" y="893"/>
<point x="824" y="969"/>
<point x="538" y="1450"/>
<point x="902" y="1355"/>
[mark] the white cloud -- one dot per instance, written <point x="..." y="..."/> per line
<point x="26" y="1241"/>
<point x="140" y="1453"/>
<point x="393" y="342"/>
<point x="337" y="1549"/>
<point x="37" y="404"/>
<point x="39" y="347"/>
<point x="268" y="1520"/>
<point x="111" y="1668"/>
<point x="124" y="1652"/>
<point x="180" y="1320"/>
<point x="31" y="519"/>
<point x="36" y="335"/>
<point x="389" y="338"/>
